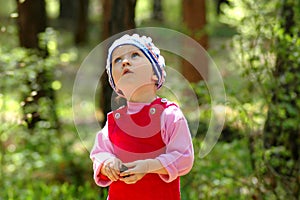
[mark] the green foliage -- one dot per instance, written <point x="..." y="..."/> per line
<point x="42" y="163"/>
<point x="51" y="164"/>
<point x="267" y="50"/>
<point x="216" y="176"/>
<point x="42" y="190"/>
<point x="30" y="76"/>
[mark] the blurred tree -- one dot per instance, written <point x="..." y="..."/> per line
<point x="105" y="22"/>
<point x="122" y="16"/>
<point x="67" y="9"/>
<point x="157" y="10"/>
<point x="268" y="52"/>
<point x="118" y="16"/>
<point x="82" y="22"/>
<point x="282" y="130"/>
<point x="32" y="22"/>
<point x="73" y="15"/>
<point x="194" y="18"/>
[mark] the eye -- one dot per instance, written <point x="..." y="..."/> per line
<point x="135" y="54"/>
<point x="117" y="60"/>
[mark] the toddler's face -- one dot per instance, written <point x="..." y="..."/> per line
<point x="131" y="69"/>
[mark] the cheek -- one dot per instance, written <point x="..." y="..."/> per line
<point x="147" y="72"/>
<point x="144" y="66"/>
<point x="116" y="74"/>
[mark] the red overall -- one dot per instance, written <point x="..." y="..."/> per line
<point x="135" y="137"/>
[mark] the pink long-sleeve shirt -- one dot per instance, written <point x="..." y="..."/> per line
<point x="178" y="158"/>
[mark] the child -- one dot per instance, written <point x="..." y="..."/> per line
<point x="146" y="145"/>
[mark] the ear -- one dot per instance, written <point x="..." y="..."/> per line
<point x="154" y="78"/>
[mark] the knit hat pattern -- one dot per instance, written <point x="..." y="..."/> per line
<point x="146" y="45"/>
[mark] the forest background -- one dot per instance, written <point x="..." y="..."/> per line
<point x="254" y="44"/>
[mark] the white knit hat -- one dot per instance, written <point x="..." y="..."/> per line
<point x="146" y="45"/>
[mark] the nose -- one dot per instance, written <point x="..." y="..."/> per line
<point x="125" y="62"/>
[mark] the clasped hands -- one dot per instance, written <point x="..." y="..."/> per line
<point x="134" y="171"/>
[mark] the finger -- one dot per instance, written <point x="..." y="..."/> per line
<point x="131" y="169"/>
<point x="108" y="172"/>
<point x="116" y="168"/>
<point x="126" y="173"/>
<point x="114" y="174"/>
<point x="121" y="167"/>
<point x="130" y="164"/>
<point x="111" y="174"/>
<point x="129" y="180"/>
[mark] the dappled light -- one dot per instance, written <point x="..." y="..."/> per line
<point x="244" y="113"/>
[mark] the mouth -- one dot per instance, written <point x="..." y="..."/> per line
<point x="126" y="71"/>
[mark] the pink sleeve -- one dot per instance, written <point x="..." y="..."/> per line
<point x="179" y="157"/>
<point x="102" y="150"/>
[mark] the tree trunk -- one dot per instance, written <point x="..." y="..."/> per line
<point x="73" y="16"/>
<point x="157" y="11"/>
<point x="282" y="135"/>
<point x="118" y="16"/>
<point x="68" y="14"/>
<point x="194" y="17"/>
<point x="31" y="21"/>
<point x="82" y="22"/>
<point x="67" y="9"/>
<point x="106" y="7"/>
<point x="122" y="16"/>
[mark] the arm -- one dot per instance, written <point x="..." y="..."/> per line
<point x="179" y="157"/>
<point x="102" y="154"/>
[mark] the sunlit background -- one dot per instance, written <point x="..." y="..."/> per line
<point x="254" y="44"/>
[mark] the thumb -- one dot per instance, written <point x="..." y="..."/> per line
<point x="130" y="164"/>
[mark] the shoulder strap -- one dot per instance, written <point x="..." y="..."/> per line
<point x="164" y="102"/>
